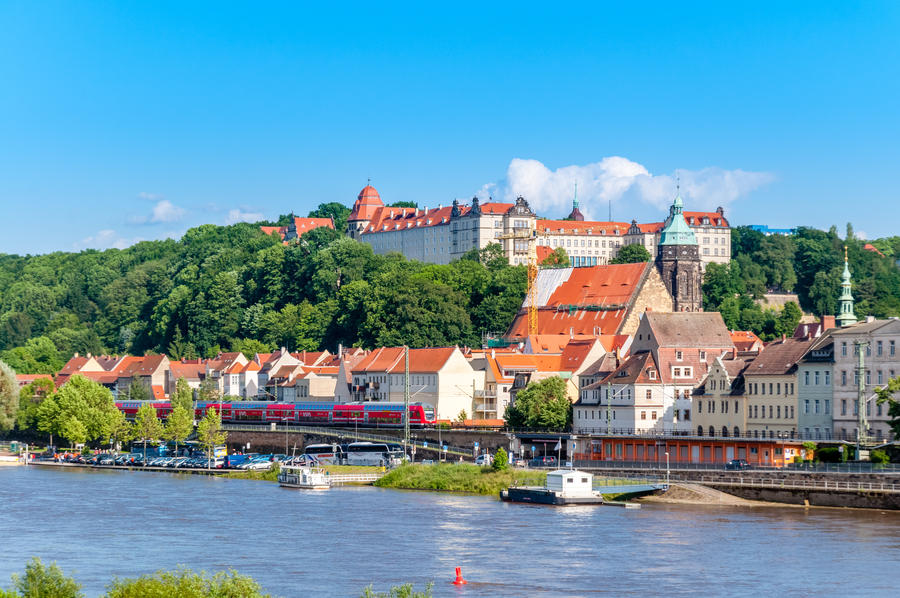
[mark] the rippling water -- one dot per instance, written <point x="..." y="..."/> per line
<point x="100" y="524"/>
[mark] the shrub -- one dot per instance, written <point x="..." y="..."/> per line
<point x="42" y="581"/>
<point x="404" y="591"/>
<point x="184" y="583"/>
<point x="501" y="460"/>
<point x="879" y="456"/>
<point x="828" y="454"/>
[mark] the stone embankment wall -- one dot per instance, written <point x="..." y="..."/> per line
<point x="265" y="440"/>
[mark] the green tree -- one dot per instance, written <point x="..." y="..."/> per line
<point x="788" y="319"/>
<point x="501" y="460"/>
<point x="632" y="254"/>
<point x="183" y="395"/>
<point x="558" y="258"/>
<point x="9" y="398"/>
<point x="137" y="391"/>
<point x="43" y="581"/>
<point x="147" y="426"/>
<point x="886" y="396"/>
<point x="179" y="424"/>
<point x="209" y="391"/>
<point x="541" y="405"/>
<point x="30" y="398"/>
<point x="336" y="211"/>
<point x="83" y="400"/>
<point x="210" y="432"/>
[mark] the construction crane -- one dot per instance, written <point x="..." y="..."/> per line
<point x="530" y="236"/>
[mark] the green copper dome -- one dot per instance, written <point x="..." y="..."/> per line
<point x="676" y="230"/>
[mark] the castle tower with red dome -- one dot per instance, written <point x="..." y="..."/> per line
<point x="367" y="203"/>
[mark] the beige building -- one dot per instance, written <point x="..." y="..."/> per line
<point x="770" y="383"/>
<point x="881" y="362"/>
<point x="440" y="377"/>
<point x="445" y="233"/>
<point x="719" y="403"/>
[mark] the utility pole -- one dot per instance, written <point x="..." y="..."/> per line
<point x="862" y="424"/>
<point x="405" y="400"/>
<point x="608" y="407"/>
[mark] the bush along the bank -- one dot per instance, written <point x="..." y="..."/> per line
<point x="447" y="477"/>
<point x="48" y="581"/>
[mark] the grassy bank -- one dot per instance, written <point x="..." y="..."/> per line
<point x="271" y="475"/>
<point x="459" y="478"/>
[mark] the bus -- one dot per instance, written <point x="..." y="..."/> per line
<point x="372" y="453"/>
<point x="326" y="454"/>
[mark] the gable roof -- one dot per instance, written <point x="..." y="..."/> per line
<point x="390" y="360"/>
<point x="779" y="357"/>
<point x="703" y="330"/>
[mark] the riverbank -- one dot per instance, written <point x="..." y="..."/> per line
<point x="472" y="479"/>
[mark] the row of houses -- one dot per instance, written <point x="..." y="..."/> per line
<point x="686" y="373"/>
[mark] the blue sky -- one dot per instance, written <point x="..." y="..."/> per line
<point x="124" y="121"/>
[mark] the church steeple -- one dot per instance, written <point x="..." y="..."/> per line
<point x="678" y="260"/>
<point x="846" y="317"/>
<point x="576" y="213"/>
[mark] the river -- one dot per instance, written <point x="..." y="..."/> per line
<point x="101" y="524"/>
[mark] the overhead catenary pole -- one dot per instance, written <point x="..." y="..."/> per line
<point x="862" y="423"/>
<point x="405" y="400"/>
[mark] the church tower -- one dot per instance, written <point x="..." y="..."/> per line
<point x="846" y="317"/>
<point x="678" y="260"/>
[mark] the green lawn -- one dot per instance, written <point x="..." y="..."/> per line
<point x="459" y="478"/>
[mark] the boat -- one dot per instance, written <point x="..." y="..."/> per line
<point x="303" y="478"/>
<point x="563" y="487"/>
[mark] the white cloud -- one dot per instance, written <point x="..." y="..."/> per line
<point x="616" y="178"/>
<point x="166" y="211"/>
<point x="106" y="239"/>
<point x="237" y="215"/>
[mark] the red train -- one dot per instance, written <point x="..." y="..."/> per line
<point x="309" y="413"/>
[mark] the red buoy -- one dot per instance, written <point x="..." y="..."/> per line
<point x="459" y="581"/>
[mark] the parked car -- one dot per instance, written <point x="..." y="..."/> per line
<point x="483" y="460"/>
<point x="545" y="461"/>
<point x="737" y="464"/>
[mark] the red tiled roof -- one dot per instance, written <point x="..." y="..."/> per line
<point x="390" y="359"/>
<point x="715" y="219"/>
<point x="573" y="227"/>
<point x="744" y="340"/>
<point x="599" y="285"/>
<point x="560" y="321"/>
<point x="366" y="203"/>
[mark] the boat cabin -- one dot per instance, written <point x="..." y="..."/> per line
<point x="570" y="482"/>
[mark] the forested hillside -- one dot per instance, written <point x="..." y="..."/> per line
<point x="810" y="264"/>
<point x="221" y="288"/>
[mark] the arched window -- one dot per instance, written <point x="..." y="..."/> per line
<point x="699" y="430"/>
<point x="724" y="431"/>
<point x="737" y="432"/>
